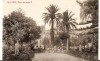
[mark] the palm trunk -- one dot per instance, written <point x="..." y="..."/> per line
<point x="68" y="39"/>
<point x="67" y="44"/>
<point x="52" y="32"/>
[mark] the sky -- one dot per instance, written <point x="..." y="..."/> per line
<point x="36" y="8"/>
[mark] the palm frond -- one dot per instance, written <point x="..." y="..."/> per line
<point x="50" y="22"/>
<point x="73" y="22"/>
<point x="87" y="8"/>
<point x="65" y="16"/>
<point x="70" y="13"/>
<point x="66" y="13"/>
<point x="52" y="8"/>
<point x="70" y="16"/>
<point x="81" y="4"/>
<point x="72" y="19"/>
<point x="59" y="15"/>
<point x="45" y="13"/>
<point x="46" y="17"/>
<point x="84" y="16"/>
<point x="69" y="21"/>
<point x="73" y="25"/>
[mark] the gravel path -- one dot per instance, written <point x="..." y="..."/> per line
<point x="55" y="57"/>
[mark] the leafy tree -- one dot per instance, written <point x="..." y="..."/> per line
<point x="18" y="27"/>
<point x="51" y="17"/>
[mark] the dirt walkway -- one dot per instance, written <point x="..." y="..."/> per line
<point x="55" y="57"/>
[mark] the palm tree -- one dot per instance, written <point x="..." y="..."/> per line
<point x="67" y="24"/>
<point x="51" y="17"/>
<point x="89" y="10"/>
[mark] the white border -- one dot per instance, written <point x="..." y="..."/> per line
<point x="99" y="36"/>
<point x="1" y="16"/>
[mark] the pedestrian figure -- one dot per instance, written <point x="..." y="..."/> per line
<point x="17" y="48"/>
<point x="80" y="47"/>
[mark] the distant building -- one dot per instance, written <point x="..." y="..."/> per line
<point x="44" y="34"/>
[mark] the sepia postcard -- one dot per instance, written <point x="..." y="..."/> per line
<point x="50" y="30"/>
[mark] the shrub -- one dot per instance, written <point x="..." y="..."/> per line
<point x="8" y="55"/>
<point x="85" y="55"/>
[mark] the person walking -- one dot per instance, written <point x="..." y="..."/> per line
<point x="17" y="48"/>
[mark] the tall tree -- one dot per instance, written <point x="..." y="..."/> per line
<point x="67" y="24"/>
<point x="51" y="17"/>
<point x="18" y="27"/>
<point x="89" y="12"/>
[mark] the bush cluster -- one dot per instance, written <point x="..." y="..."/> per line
<point x="9" y="55"/>
<point x="85" y="55"/>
